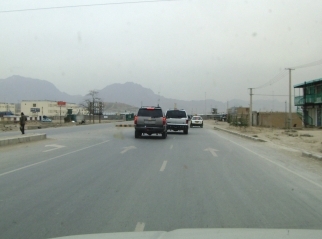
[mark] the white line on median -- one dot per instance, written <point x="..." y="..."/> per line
<point x="127" y="149"/>
<point x="163" y="166"/>
<point x="171" y="146"/>
<point x="56" y="146"/>
<point x="139" y="227"/>
<point x="46" y="160"/>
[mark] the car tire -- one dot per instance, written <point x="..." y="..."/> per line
<point x="190" y="125"/>
<point x="201" y="126"/>
<point x="164" y="135"/>
<point x="185" y="131"/>
<point x="137" y="134"/>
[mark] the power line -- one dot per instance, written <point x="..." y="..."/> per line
<point x="314" y="63"/>
<point x="85" y="5"/>
<point x="272" y="81"/>
<point x="281" y="75"/>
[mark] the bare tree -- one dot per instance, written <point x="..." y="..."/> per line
<point x="93" y="104"/>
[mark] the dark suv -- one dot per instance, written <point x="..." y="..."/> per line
<point x="150" y="120"/>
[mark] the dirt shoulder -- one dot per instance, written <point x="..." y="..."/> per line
<point x="304" y="139"/>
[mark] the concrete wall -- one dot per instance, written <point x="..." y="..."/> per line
<point x="17" y="118"/>
<point x="276" y="119"/>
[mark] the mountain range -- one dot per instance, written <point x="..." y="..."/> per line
<point x="16" y="88"/>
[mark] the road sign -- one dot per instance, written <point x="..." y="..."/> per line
<point x="34" y="110"/>
<point x="61" y="103"/>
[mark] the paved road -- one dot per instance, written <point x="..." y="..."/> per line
<point x="98" y="178"/>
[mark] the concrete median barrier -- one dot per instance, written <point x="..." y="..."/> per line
<point x="11" y="140"/>
<point x="241" y="135"/>
<point x="124" y="125"/>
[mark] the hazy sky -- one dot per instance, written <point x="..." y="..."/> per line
<point x="181" y="49"/>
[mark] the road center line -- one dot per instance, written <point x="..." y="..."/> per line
<point x="171" y="146"/>
<point x="46" y="160"/>
<point x="163" y="166"/>
<point x="139" y="227"/>
<point x="271" y="161"/>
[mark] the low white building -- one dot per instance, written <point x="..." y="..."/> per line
<point x="6" y="107"/>
<point x="36" y="108"/>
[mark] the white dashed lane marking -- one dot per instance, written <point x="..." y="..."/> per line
<point x="139" y="227"/>
<point x="163" y="166"/>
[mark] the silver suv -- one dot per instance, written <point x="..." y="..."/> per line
<point x="150" y="120"/>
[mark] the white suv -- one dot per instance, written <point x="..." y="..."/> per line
<point x="177" y="120"/>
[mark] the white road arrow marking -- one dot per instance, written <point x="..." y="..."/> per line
<point x="56" y="146"/>
<point x="127" y="149"/>
<point x="212" y="151"/>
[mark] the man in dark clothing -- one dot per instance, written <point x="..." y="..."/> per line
<point x="23" y="120"/>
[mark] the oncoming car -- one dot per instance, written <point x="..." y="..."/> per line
<point x="196" y="121"/>
<point x="46" y="120"/>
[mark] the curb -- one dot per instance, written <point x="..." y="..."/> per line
<point x="21" y="139"/>
<point x="311" y="155"/>
<point x="124" y="125"/>
<point x="241" y="135"/>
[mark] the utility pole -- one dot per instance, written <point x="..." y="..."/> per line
<point x="285" y="115"/>
<point x="290" y="97"/>
<point x="227" y="106"/>
<point x="250" y="107"/>
<point x="205" y="104"/>
<point x="158" y="98"/>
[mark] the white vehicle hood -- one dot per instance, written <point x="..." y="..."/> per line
<point x="223" y="233"/>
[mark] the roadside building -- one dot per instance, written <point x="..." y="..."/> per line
<point x="308" y="99"/>
<point x="39" y="108"/>
<point x="238" y="115"/>
<point x="8" y="107"/>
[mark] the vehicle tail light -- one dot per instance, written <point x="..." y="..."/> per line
<point x="164" y="120"/>
<point x="187" y="121"/>
<point x="135" y="120"/>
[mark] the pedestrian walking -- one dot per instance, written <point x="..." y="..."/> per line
<point x="23" y="120"/>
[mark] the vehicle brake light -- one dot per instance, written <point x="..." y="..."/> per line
<point x="150" y="108"/>
<point x="187" y="121"/>
<point x="164" y="120"/>
<point x="135" y="120"/>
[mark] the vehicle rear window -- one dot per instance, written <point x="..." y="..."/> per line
<point x="150" y="113"/>
<point x="196" y="118"/>
<point x="176" y="114"/>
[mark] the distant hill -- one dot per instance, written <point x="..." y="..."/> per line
<point x="137" y="95"/>
<point x="115" y="107"/>
<point x="16" y="88"/>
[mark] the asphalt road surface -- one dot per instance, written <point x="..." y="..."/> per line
<point x="99" y="178"/>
